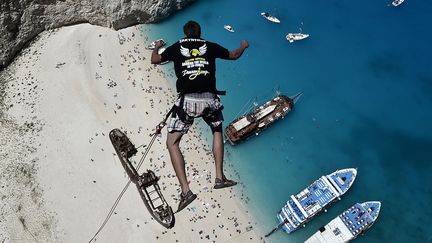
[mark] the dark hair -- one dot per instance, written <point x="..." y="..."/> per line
<point x="192" y="29"/>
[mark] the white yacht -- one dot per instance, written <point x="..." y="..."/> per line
<point x="397" y="2"/>
<point x="229" y="28"/>
<point x="270" y="17"/>
<point x="291" y="37"/>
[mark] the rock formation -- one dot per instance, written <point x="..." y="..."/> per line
<point x="22" y="20"/>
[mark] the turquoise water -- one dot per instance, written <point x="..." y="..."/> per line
<point x="367" y="82"/>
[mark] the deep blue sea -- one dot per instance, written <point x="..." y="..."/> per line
<point x="366" y="75"/>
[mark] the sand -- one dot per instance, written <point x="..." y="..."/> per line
<point x="59" y="172"/>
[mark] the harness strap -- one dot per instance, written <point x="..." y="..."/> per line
<point x="182" y="114"/>
<point x="179" y="111"/>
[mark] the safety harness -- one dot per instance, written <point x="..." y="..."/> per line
<point x="184" y="117"/>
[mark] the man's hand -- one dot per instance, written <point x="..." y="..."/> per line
<point x="159" y="44"/>
<point x="156" y="57"/>
<point x="235" y="54"/>
<point x="244" y="44"/>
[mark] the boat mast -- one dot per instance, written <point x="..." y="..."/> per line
<point x="277" y="90"/>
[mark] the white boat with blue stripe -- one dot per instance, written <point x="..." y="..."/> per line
<point x="302" y="207"/>
<point x="348" y="225"/>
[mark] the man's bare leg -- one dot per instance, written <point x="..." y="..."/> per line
<point x="218" y="153"/>
<point x="177" y="160"/>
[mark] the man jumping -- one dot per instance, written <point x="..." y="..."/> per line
<point x="195" y="68"/>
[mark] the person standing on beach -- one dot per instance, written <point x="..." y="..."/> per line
<point x="195" y="68"/>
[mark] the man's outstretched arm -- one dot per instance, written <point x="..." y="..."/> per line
<point x="235" y="54"/>
<point x="156" y="58"/>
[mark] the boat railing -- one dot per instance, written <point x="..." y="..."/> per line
<point x="297" y="203"/>
<point x="288" y="217"/>
<point x="295" y="212"/>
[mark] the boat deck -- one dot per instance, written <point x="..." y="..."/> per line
<point x="348" y="225"/>
<point x="314" y="198"/>
<point x="257" y="120"/>
<point x="358" y="218"/>
<point x="343" y="179"/>
<point x="334" y="232"/>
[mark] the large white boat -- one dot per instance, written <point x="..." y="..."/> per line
<point x="302" y="207"/>
<point x="291" y="37"/>
<point x="229" y="28"/>
<point x="270" y="17"/>
<point x="349" y="224"/>
<point x="397" y="2"/>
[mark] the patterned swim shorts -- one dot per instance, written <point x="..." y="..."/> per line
<point x="194" y="105"/>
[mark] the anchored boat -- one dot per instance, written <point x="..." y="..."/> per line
<point x="349" y="224"/>
<point x="397" y="2"/>
<point x="291" y="37"/>
<point x="229" y="28"/>
<point x="313" y="199"/>
<point x="270" y="17"/>
<point x="260" y="118"/>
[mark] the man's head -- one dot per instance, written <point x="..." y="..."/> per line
<point x="192" y="29"/>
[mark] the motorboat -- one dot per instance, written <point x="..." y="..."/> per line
<point x="397" y="2"/>
<point x="271" y="17"/>
<point x="229" y="28"/>
<point x="291" y="37"/>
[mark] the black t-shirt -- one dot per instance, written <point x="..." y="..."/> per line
<point x="194" y="64"/>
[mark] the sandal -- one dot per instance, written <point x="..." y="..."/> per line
<point x="186" y="199"/>
<point x="222" y="183"/>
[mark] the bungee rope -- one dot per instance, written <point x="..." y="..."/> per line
<point x="116" y="202"/>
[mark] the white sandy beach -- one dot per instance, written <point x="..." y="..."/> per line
<point x="59" y="172"/>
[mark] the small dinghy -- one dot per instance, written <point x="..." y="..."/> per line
<point x="229" y="28"/>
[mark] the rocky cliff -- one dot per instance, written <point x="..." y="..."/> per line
<point x="22" y="20"/>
